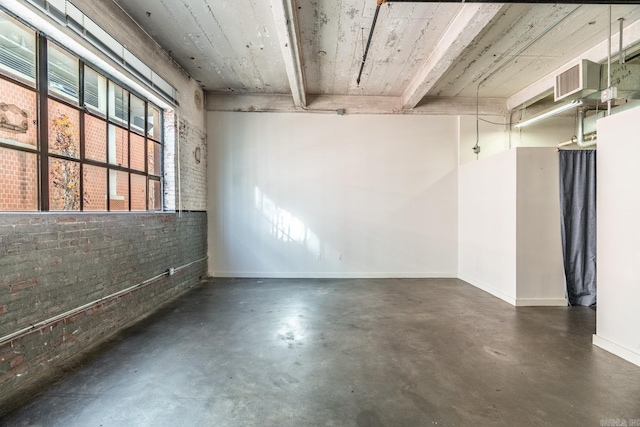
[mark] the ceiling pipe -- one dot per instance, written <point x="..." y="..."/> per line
<point x="517" y="1"/>
<point x="620" y="47"/>
<point x="580" y="138"/>
<point x="366" y="50"/>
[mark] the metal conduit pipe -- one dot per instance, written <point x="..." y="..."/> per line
<point x="514" y="1"/>
<point x="49" y="321"/>
<point x="580" y="137"/>
<point x="366" y="50"/>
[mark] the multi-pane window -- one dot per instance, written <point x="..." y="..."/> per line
<point x="18" y="118"/>
<point x="101" y="149"/>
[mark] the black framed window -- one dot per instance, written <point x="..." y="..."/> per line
<point x="71" y="138"/>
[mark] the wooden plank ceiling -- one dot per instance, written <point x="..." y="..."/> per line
<point x="420" y="52"/>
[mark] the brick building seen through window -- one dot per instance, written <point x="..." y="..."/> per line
<point x="102" y="149"/>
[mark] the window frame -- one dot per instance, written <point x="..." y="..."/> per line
<point x="44" y="95"/>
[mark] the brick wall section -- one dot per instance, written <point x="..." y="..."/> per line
<point x="24" y="99"/>
<point x="193" y="163"/>
<point x="18" y="180"/>
<point x="52" y="263"/>
<point x="95" y="135"/>
<point x="137" y="151"/>
<point x="170" y="180"/>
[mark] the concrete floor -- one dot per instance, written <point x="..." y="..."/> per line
<point x="390" y="352"/>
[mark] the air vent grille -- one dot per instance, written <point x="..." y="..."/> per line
<point x="568" y="82"/>
<point x="579" y="81"/>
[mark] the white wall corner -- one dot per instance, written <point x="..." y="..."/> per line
<point x="620" y="351"/>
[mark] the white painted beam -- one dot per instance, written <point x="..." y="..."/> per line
<point x="597" y="53"/>
<point x="354" y="104"/>
<point x="284" y="14"/>
<point x="463" y="29"/>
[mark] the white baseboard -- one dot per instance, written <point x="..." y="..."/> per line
<point x="496" y="293"/>
<point x="618" y="350"/>
<point x="541" y="302"/>
<point x="333" y="275"/>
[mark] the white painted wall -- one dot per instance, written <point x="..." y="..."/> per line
<point x="546" y="133"/>
<point x="291" y="193"/>
<point x="540" y="269"/>
<point x="618" y="193"/>
<point x="509" y="226"/>
<point x="496" y="138"/>
<point x="493" y="138"/>
<point x="487" y="224"/>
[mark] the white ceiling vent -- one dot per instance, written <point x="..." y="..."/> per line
<point x="579" y="81"/>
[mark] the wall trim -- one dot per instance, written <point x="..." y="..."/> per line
<point x="620" y="351"/>
<point x="483" y="286"/>
<point x="541" y="302"/>
<point x="333" y="275"/>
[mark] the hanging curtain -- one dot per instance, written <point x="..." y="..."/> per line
<point x="578" y="224"/>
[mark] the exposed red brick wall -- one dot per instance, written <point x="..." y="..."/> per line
<point x="95" y="188"/>
<point x="120" y="201"/>
<point x="18" y="180"/>
<point x="138" y="192"/>
<point x="122" y="151"/>
<point x="95" y="135"/>
<point x="24" y="99"/>
<point x="137" y="152"/>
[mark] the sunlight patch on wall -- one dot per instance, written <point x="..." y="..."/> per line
<point x="283" y="225"/>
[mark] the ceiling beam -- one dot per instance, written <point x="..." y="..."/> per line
<point x="462" y="30"/>
<point x="286" y="19"/>
<point x="597" y="53"/>
<point x="330" y="104"/>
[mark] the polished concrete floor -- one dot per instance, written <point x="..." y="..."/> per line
<point x="390" y="352"/>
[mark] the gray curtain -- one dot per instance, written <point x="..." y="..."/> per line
<point x="578" y="223"/>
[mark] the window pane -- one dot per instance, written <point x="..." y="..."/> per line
<point x="154" y="158"/>
<point x="137" y="114"/>
<point x="118" y="146"/>
<point x="18" y="180"/>
<point x="95" y="138"/>
<point x="118" y="190"/>
<point x="95" y="188"/>
<point x="63" y="73"/>
<point x="155" y="195"/>
<point x="153" y="123"/>
<point x="118" y="104"/>
<point x="138" y="192"/>
<point x="95" y="91"/>
<point x="17" y="115"/>
<point x="64" y="185"/>
<point x="17" y="50"/>
<point x="64" y="130"/>
<point x="137" y="151"/>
